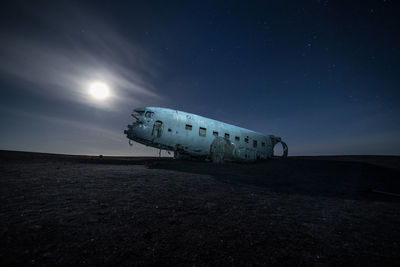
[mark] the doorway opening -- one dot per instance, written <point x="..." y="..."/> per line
<point x="157" y="129"/>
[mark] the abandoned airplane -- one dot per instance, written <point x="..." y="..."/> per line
<point x="190" y="135"/>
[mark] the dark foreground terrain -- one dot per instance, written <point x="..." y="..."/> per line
<point x="301" y="211"/>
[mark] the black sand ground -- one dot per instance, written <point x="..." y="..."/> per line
<point x="301" y="211"/>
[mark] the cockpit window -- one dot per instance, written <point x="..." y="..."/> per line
<point x="137" y="114"/>
<point x="149" y="114"/>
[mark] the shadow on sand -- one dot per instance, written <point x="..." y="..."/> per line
<point x="306" y="176"/>
<point x="346" y="177"/>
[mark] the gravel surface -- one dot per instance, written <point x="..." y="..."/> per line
<point x="126" y="211"/>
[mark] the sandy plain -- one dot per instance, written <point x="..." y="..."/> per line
<point x="128" y="211"/>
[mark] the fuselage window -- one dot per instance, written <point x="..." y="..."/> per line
<point x="188" y="127"/>
<point x="149" y="114"/>
<point x="169" y="130"/>
<point x="255" y="143"/>
<point x="215" y="133"/>
<point x="202" y="131"/>
<point x="246" y="139"/>
<point x="237" y="138"/>
<point x="262" y="144"/>
<point x="226" y="135"/>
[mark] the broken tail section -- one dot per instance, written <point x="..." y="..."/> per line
<point x="275" y="140"/>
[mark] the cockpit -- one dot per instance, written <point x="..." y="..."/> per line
<point x="149" y="114"/>
<point x="141" y="130"/>
<point x="138" y="113"/>
<point x="141" y="114"/>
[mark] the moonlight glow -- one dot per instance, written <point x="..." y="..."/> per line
<point x="99" y="90"/>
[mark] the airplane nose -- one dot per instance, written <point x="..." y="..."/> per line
<point x="129" y="132"/>
<point x="126" y="132"/>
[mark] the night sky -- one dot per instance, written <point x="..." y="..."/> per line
<point x="323" y="75"/>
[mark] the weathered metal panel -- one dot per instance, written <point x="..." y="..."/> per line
<point x="194" y="135"/>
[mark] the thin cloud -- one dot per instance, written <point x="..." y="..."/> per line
<point x="86" y="49"/>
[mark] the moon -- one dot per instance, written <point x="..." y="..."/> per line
<point x="99" y="90"/>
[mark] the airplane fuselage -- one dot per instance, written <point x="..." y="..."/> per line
<point x="197" y="136"/>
